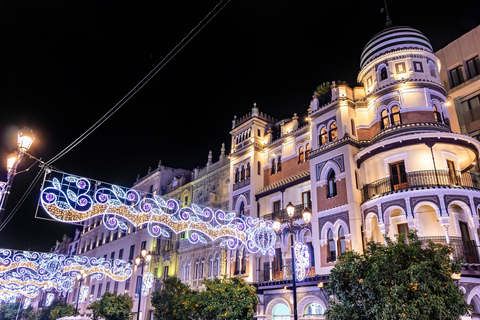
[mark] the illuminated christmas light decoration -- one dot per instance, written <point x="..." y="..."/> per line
<point x="49" y="299"/>
<point x="83" y="294"/>
<point x="26" y="303"/>
<point x="147" y="283"/>
<point x="25" y="273"/>
<point x="68" y="198"/>
<point x="302" y="259"/>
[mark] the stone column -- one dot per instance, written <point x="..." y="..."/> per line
<point x="445" y="223"/>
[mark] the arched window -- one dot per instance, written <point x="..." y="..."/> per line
<point x="279" y="164"/>
<point x="352" y="124"/>
<point x="323" y="136"/>
<point x="184" y="271"/>
<point x="395" y="115"/>
<point x="438" y="116"/>
<point x="237" y="175"/>
<point x="431" y="66"/>
<point x="202" y="268"/>
<point x="333" y="134"/>
<point x="241" y="209"/>
<point x="237" y="262"/>
<point x="281" y="312"/>
<point x="210" y="266"/>
<point x="273" y="168"/>
<point x="341" y="241"/>
<point x="247" y="171"/>
<point x="331" y="254"/>
<point x="244" y="262"/>
<point x="331" y="184"/>
<point x="216" y="266"/>
<point x="383" y="74"/>
<point x="196" y="273"/>
<point x="301" y="155"/>
<point x="242" y="175"/>
<point x="385" y="122"/>
<point x="188" y="270"/>
<point x="307" y="151"/>
<point x="314" y="309"/>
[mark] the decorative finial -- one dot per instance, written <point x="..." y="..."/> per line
<point x="210" y="157"/>
<point x="159" y="163"/>
<point x="149" y="169"/>
<point x="254" y="110"/>
<point x="222" y="151"/>
<point x="389" y="22"/>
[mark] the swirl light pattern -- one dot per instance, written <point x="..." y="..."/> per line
<point x="83" y="294"/>
<point x="147" y="283"/>
<point x="25" y="273"/>
<point x="68" y="198"/>
<point x="49" y="299"/>
<point x="302" y="259"/>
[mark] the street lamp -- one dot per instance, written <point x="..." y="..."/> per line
<point x="142" y="260"/>
<point x="307" y="215"/>
<point x="80" y="277"/>
<point x="25" y="139"/>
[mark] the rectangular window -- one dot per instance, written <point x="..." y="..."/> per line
<point x="92" y="291"/>
<point x="120" y="254"/>
<point x="144" y="245"/>
<point x="99" y="292"/>
<point x="105" y="257"/>
<point x="107" y="239"/>
<point x="155" y="273"/>
<point x="150" y="189"/>
<point x="456" y="76"/>
<point x="306" y="200"/>
<point x="400" y="67"/>
<point x="127" y="286"/>
<point x="473" y="66"/>
<point x="112" y="255"/>
<point x="132" y="252"/>
<point x="471" y="109"/>
<point x="259" y="133"/>
<point x="417" y="66"/>
<point x="402" y="228"/>
<point x="115" y="287"/>
<point x="276" y="210"/>
<point x="107" y="287"/>
<point x="138" y="287"/>
<point x="398" y="175"/>
<point x="165" y="273"/>
<point x="101" y="239"/>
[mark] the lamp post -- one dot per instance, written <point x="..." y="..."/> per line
<point x="80" y="277"/>
<point x="142" y="260"/>
<point x="25" y="139"/>
<point x="307" y="214"/>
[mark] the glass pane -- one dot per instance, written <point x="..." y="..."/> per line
<point x="314" y="309"/>
<point x="281" y="310"/>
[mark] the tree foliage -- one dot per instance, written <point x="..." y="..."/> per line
<point x="222" y="299"/>
<point x="227" y="299"/>
<point x="57" y="309"/>
<point x="399" y="281"/>
<point x="8" y="311"/>
<point x="175" y="302"/>
<point x="113" y="307"/>
<point x="324" y="90"/>
<point x="94" y="308"/>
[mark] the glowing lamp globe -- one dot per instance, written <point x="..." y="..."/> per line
<point x="276" y="226"/>
<point x="148" y="257"/>
<point x="144" y="252"/>
<point x="290" y="209"/>
<point x="25" y="139"/>
<point x="137" y="261"/>
<point x="11" y="161"/>
<point x="307" y="215"/>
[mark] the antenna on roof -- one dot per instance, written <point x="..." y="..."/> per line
<point x="389" y="21"/>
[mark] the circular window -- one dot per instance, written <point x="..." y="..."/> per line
<point x="281" y="312"/>
<point x="314" y="309"/>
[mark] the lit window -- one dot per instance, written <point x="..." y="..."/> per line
<point x="331" y="184"/>
<point x="385" y="122"/>
<point x="314" y="309"/>
<point x="323" y="136"/>
<point x="333" y="134"/>
<point x="396" y="118"/>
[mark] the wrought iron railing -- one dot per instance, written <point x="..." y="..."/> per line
<point x="283" y="216"/>
<point x="464" y="250"/>
<point x="419" y="179"/>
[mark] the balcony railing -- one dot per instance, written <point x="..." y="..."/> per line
<point x="283" y="216"/>
<point x="241" y="184"/>
<point x="466" y="250"/>
<point x="420" y="179"/>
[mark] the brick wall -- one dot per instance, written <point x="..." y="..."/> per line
<point x="290" y="168"/>
<point x="323" y="203"/>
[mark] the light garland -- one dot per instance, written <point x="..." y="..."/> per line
<point x="25" y="273"/>
<point x="26" y="303"/>
<point x="71" y="199"/>
<point x="147" y="283"/>
<point x="83" y="294"/>
<point x="302" y="260"/>
<point x="49" y="299"/>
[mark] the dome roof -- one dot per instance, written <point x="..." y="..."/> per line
<point x="391" y="39"/>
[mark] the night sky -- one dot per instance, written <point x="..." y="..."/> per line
<point x="63" y="64"/>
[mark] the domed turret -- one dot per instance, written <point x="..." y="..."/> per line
<point x="394" y="38"/>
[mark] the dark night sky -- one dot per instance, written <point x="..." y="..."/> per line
<point x="63" y="64"/>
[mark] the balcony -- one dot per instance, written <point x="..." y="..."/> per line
<point x="426" y="178"/>
<point x="241" y="184"/>
<point x="466" y="250"/>
<point x="283" y="216"/>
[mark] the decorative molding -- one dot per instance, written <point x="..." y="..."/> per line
<point x="431" y="198"/>
<point x="449" y="198"/>
<point x="339" y="216"/>
<point x="325" y="122"/>
<point x="397" y="202"/>
<point x="246" y="194"/>
<point x="337" y="160"/>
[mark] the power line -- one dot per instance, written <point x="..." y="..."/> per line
<point x="145" y="80"/>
